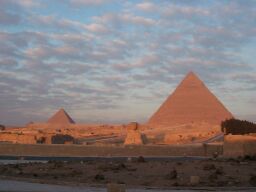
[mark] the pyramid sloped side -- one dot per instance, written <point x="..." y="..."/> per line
<point x="61" y="117"/>
<point x="191" y="102"/>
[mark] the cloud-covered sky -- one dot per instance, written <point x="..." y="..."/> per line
<point x="117" y="60"/>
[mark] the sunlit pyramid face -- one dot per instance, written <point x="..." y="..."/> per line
<point x="191" y="102"/>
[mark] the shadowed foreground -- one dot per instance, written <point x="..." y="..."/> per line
<point x="20" y="186"/>
<point x="138" y="172"/>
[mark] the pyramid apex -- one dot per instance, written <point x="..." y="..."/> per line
<point x="191" y="79"/>
<point x="192" y="74"/>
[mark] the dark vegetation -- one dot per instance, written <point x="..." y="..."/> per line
<point x="2" y="127"/>
<point x="238" y="127"/>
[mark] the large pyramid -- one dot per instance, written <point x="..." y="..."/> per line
<point x="191" y="102"/>
<point x="61" y="117"/>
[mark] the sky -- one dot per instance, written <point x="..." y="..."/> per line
<point x="116" y="61"/>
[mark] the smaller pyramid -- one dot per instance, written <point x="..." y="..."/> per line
<point x="61" y="117"/>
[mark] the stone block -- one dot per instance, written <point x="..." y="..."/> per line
<point x="194" y="180"/>
<point x="132" y="126"/>
<point x="113" y="187"/>
<point x="133" y="138"/>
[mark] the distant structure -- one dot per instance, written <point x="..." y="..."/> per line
<point x="61" y="117"/>
<point x="191" y="103"/>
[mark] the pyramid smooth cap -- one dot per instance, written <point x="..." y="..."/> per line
<point x="191" y="102"/>
<point x="61" y="117"/>
<point x="191" y="77"/>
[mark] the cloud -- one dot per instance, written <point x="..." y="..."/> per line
<point x="248" y="78"/>
<point x="7" y="18"/>
<point x="12" y="12"/>
<point x="124" y="18"/>
<point x="137" y="19"/>
<point x="8" y="63"/>
<point x="146" y="6"/>
<point x="88" y="2"/>
<point x="28" y="3"/>
<point x="97" y="28"/>
<point x="55" y="23"/>
<point x="174" y="10"/>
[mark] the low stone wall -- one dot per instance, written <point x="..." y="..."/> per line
<point x="213" y="149"/>
<point x="18" y="138"/>
<point x="40" y="138"/>
<point x="94" y="151"/>
<point x="239" y="145"/>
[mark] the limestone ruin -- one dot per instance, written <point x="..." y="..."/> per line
<point x="133" y="137"/>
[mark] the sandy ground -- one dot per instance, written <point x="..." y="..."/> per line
<point x="138" y="172"/>
<point x="21" y="186"/>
